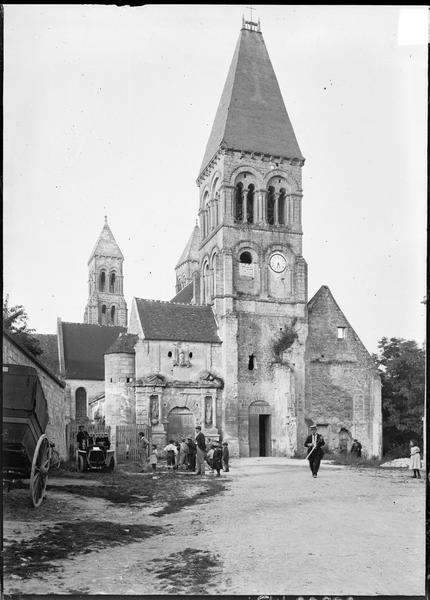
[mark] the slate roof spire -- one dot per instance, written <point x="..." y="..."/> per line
<point x="251" y="115"/>
<point x="106" y="244"/>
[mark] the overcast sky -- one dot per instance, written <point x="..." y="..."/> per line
<point x="108" y="110"/>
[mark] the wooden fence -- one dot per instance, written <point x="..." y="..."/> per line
<point x="127" y="436"/>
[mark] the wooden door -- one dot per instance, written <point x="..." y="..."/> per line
<point x="181" y="424"/>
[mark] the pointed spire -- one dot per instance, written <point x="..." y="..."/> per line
<point x="191" y="250"/>
<point x="251" y="114"/>
<point x="106" y="244"/>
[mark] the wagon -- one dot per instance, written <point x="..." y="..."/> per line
<point x="26" y="448"/>
<point x="96" y="455"/>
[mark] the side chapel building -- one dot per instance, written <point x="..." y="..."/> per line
<point x="240" y="349"/>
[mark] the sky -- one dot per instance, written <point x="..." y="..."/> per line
<point x="107" y="111"/>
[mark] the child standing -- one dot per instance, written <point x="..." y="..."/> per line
<point x="415" y="460"/>
<point x="171" y="452"/>
<point x="153" y="458"/>
<point x="217" y="459"/>
<point x="225" y="457"/>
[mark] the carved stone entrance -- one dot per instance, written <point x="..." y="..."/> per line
<point x="260" y="414"/>
<point x="181" y="423"/>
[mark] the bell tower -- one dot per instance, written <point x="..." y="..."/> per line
<point x="106" y="303"/>
<point x="251" y="266"/>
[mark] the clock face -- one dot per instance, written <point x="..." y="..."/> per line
<point x="277" y="263"/>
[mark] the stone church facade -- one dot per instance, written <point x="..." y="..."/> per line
<point x="239" y="349"/>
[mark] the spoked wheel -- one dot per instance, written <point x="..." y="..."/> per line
<point x="39" y="470"/>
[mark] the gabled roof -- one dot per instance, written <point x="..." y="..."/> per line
<point x="191" y="250"/>
<point x="185" y="295"/>
<point x="251" y="114"/>
<point x="84" y="349"/>
<point x="177" y="322"/>
<point x="324" y="316"/>
<point x="106" y="244"/>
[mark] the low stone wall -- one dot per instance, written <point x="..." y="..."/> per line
<point x="53" y="388"/>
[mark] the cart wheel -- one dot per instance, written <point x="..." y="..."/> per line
<point x="81" y="464"/>
<point x="111" y="465"/>
<point x="39" y="470"/>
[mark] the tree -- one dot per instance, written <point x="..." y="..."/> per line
<point x="402" y="365"/>
<point x="15" y="322"/>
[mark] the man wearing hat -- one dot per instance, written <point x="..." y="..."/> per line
<point x="314" y="443"/>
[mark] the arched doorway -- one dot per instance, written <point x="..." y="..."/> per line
<point x="344" y="440"/>
<point x="260" y="416"/>
<point x="181" y="423"/>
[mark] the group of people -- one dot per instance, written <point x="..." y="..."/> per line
<point x="187" y="455"/>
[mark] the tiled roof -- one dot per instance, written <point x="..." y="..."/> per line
<point x="49" y="345"/>
<point x="84" y="349"/>
<point x="251" y="114"/>
<point x="106" y="244"/>
<point x="173" y="321"/>
<point x="185" y="295"/>
<point x="124" y="344"/>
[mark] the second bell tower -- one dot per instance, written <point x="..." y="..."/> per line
<point x="106" y="303"/>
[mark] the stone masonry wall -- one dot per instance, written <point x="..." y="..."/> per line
<point x="53" y="389"/>
<point x="342" y="384"/>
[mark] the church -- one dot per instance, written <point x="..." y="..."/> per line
<point x="240" y="349"/>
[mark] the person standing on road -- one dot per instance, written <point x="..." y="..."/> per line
<point x="192" y="449"/>
<point x="171" y="451"/>
<point x="314" y="443"/>
<point x="201" y="451"/>
<point x="225" y="457"/>
<point x="153" y="458"/>
<point x="356" y="448"/>
<point x="415" y="460"/>
<point x="143" y="450"/>
<point x="183" y="454"/>
<point x="217" y="459"/>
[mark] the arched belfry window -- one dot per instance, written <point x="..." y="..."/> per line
<point x="281" y="206"/>
<point x="250" y="203"/>
<point x="112" y="314"/>
<point x="245" y="258"/>
<point x="102" y="281"/>
<point x="271" y="205"/>
<point x="112" y="282"/>
<point x="238" y="203"/>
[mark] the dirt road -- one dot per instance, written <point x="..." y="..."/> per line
<point x="267" y="527"/>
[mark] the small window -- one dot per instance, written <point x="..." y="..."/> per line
<point x="251" y="362"/>
<point x="169" y="354"/>
<point x="246" y="258"/>
<point x="103" y="309"/>
<point x="341" y="333"/>
<point x="190" y="355"/>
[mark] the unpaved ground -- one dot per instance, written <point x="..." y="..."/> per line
<point x="267" y="527"/>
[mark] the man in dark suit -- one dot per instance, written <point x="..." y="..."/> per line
<point x="201" y="451"/>
<point x="314" y="443"/>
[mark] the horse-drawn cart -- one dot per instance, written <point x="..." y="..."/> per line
<point x="26" y="448"/>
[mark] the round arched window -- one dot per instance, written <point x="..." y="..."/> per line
<point x="245" y="258"/>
